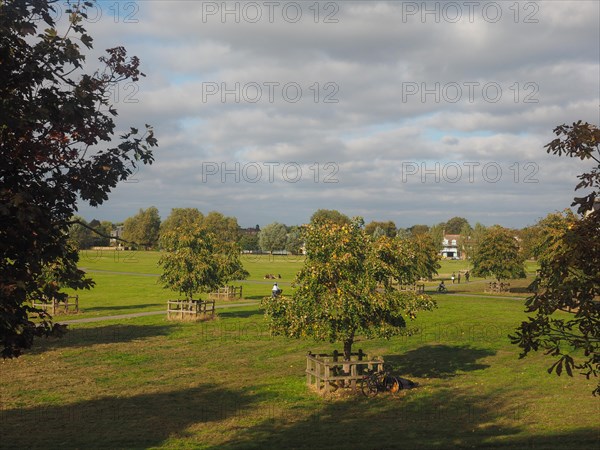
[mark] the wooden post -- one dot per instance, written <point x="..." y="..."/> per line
<point x="308" y="369"/>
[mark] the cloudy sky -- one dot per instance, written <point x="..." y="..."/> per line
<point x="407" y="111"/>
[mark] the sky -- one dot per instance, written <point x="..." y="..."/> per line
<point x="414" y="112"/>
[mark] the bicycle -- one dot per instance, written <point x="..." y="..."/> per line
<point x="380" y="381"/>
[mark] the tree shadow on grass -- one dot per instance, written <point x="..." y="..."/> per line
<point x="240" y="314"/>
<point x="121" y="307"/>
<point x="108" y="334"/>
<point x="439" y="361"/>
<point x="521" y="290"/>
<point x="446" y="418"/>
<point x="256" y="297"/>
<point x="141" y="421"/>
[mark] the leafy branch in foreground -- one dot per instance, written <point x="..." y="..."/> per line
<point x="566" y="299"/>
<point x="56" y="129"/>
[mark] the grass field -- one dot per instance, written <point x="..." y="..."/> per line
<point x="149" y="383"/>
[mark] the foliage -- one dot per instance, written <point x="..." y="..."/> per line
<point x="329" y="215"/>
<point x="464" y="239"/>
<point x="294" y="241"/>
<point x="418" y="229"/>
<point x="425" y="263"/>
<point x="225" y="229"/>
<point x="388" y="228"/>
<point x="272" y="237"/>
<point x="498" y="255"/>
<point x="345" y="288"/>
<point x="470" y="244"/>
<point x="456" y="225"/>
<point x="143" y="228"/>
<point x="196" y="261"/>
<point x="529" y="237"/>
<point x="569" y="275"/>
<point x="580" y="140"/>
<point x="181" y="217"/>
<point x="549" y="232"/>
<point x="94" y="234"/>
<point x="436" y="233"/>
<point x="56" y="125"/>
<point x="249" y="242"/>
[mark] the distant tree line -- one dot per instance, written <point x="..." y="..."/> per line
<point x="144" y="230"/>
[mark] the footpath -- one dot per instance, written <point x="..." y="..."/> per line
<point x="142" y="314"/>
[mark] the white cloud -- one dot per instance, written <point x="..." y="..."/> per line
<point x="368" y="122"/>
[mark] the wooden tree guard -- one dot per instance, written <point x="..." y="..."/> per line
<point x="190" y="309"/>
<point x="324" y="371"/>
<point x="70" y="305"/>
<point x="497" y="287"/>
<point x="226" y="292"/>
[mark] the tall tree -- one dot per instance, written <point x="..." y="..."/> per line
<point x="418" y="229"/>
<point x="196" y="261"/>
<point x="345" y="288"/>
<point x="181" y="217"/>
<point x="80" y="233"/>
<point x="224" y="228"/>
<point x="388" y="228"/>
<point x="436" y="233"/>
<point x="272" y="237"/>
<point x="569" y="278"/>
<point x="143" y="228"/>
<point x="464" y="241"/>
<point x="294" y="241"/>
<point x="106" y="228"/>
<point x="529" y="236"/>
<point x="455" y="225"/>
<point x="498" y="255"/>
<point x="471" y="244"/>
<point x="329" y="215"/>
<point x="249" y="242"/>
<point x="56" y="128"/>
<point x="425" y="257"/>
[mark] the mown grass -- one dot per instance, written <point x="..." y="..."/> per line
<point x="147" y="382"/>
<point x="150" y="383"/>
<point x="127" y="282"/>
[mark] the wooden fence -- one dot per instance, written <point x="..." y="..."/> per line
<point x="70" y="305"/>
<point x="325" y="371"/>
<point x="190" y="309"/>
<point x="226" y="293"/>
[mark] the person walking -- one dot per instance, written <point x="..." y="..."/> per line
<point x="458" y="277"/>
<point x="452" y="277"/>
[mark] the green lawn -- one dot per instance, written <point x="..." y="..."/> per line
<point x="127" y="281"/>
<point x="150" y="383"/>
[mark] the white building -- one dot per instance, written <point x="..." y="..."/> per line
<point x="451" y="247"/>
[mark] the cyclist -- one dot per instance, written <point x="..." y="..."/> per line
<point x="442" y="287"/>
<point x="275" y="292"/>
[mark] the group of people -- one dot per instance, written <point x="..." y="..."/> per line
<point x="442" y="287"/>
<point x="454" y="277"/>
